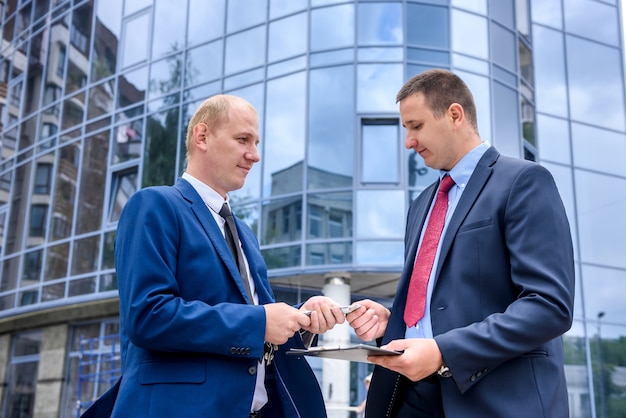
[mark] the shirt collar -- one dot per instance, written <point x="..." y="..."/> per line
<point x="463" y="170"/>
<point x="209" y="196"/>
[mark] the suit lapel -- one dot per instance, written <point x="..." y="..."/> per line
<point x="207" y="222"/>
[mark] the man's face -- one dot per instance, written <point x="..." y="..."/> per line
<point x="433" y="139"/>
<point x="232" y="150"/>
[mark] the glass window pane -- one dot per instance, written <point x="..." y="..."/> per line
<point x="601" y="204"/>
<point x="284" y="7"/>
<point x="85" y="255"/>
<point x="506" y="117"/>
<point x="380" y="151"/>
<point x="332" y="253"/>
<point x="10" y="272"/>
<point x="73" y="111"/>
<point x="478" y="6"/>
<point x="135" y="40"/>
<point x="553" y="139"/>
<point x="160" y="148"/>
<point x="282" y="220"/>
<point x="332" y="27"/>
<point x="480" y="88"/>
<point x="551" y="91"/>
<point x="285" y="135"/>
<point x="377" y="87"/>
<point x="503" y="47"/>
<point x="592" y="67"/>
<point x="65" y="191"/>
<point x="379" y="23"/>
<point x="329" y="215"/>
<point x="127" y="140"/>
<point x="243" y="14"/>
<point x="547" y="12"/>
<point x="469" y="34"/>
<point x="166" y="77"/>
<point x="380" y="214"/>
<point x="379" y="253"/>
<point x="169" y="18"/>
<point x="101" y="99"/>
<point x="204" y="63"/>
<point x="123" y="187"/>
<point x="282" y="257"/>
<point x="606" y="150"/>
<point x="428" y="26"/>
<point x="131" y="87"/>
<point x="106" y="38"/>
<point x="56" y="261"/>
<point x="32" y="268"/>
<point x="205" y="26"/>
<point x="131" y="6"/>
<point x="53" y="292"/>
<point x="579" y="14"/>
<point x="282" y="46"/>
<point x="245" y="50"/>
<point x="82" y="287"/>
<point x="92" y="186"/>
<point x="503" y="12"/>
<point x="331" y="127"/>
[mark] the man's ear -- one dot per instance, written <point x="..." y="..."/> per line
<point x="200" y="133"/>
<point x="456" y="113"/>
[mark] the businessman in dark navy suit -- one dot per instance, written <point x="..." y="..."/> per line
<point x="197" y="336"/>
<point x="501" y="290"/>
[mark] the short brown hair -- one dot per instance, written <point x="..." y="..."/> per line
<point x="441" y="88"/>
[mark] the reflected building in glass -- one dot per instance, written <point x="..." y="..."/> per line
<point x="95" y="97"/>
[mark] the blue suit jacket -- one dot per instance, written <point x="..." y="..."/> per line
<point x="503" y="296"/>
<point x="190" y="342"/>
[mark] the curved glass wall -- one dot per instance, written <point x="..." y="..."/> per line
<point x="95" y="96"/>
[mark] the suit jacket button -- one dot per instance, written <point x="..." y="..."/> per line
<point x="252" y="370"/>
<point x="473" y="378"/>
<point x="247" y="352"/>
<point x="233" y="350"/>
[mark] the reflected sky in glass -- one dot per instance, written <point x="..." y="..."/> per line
<point x="379" y="23"/>
<point x="378" y="85"/>
<point x="332" y="27"/>
<point x="578" y="14"/>
<point x="205" y="26"/>
<point x="594" y="147"/>
<point x="245" y="50"/>
<point x="282" y="46"/>
<point x="242" y="14"/>
<point x="469" y="34"/>
<point x="596" y="83"/>
<point x="286" y="127"/>
<point x="551" y="90"/>
<point x="380" y="214"/>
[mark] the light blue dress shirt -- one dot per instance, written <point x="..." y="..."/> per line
<point x="461" y="174"/>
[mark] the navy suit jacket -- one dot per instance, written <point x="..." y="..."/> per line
<point x="190" y="342"/>
<point x="503" y="296"/>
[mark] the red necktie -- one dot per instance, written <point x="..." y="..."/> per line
<point x="416" y="297"/>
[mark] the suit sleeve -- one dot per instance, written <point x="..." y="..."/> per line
<point x="175" y="293"/>
<point x="512" y="266"/>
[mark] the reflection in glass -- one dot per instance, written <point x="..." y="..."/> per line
<point x="169" y="16"/>
<point x="606" y="150"/>
<point x="282" y="220"/>
<point x="380" y="151"/>
<point x="506" y="120"/>
<point x="56" y="261"/>
<point x="553" y="139"/>
<point x="550" y="77"/>
<point x="380" y="214"/>
<point x="478" y="6"/>
<point x="377" y="87"/>
<point x="131" y="6"/>
<point x="469" y="34"/>
<point x="601" y="204"/>
<point x="379" y="253"/>
<point x="123" y="186"/>
<point x="419" y="175"/>
<point x="204" y="63"/>
<point x="53" y="292"/>
<point x="329" y="215"/>
<point x="160" y="148"/>
<point x="503" y="47"/>
<point x="85" y="255"/>
<point x="127" y="140"/>
<point x="106" y="38"/>
<point x="379" y="23"/>
<point x="428" y="26"/>
<point x="91" y="193"/>
<point x="100" y="100"/>
<point x="592" y="67"/>
<point x="331" y="127"/>
<point x="73" y="111"/>
<point x="131" y="87"/>
<point x="80" y="41"/>
<point x="282" y="257"/>
<point x="64" y="191"/>
<point x="36" y="62"/>
<point x="281" y="46"/>
<point x="19" y="209"/>
<point x="166" y="77"/>
<point x="245" y="50"/>
<point x="285" y="135"/>
<point x="135" y="47"/>
<point x="578" y="14"/>
<point x="205" y="26"/>
<point x="547" y="12"/>
<point x="284" y="7"/>
<point x="481" y="90"/>
<point x="329" y="253"/>
<point x="528" y="122"/>
<point x="242" y="14"/>
<point x="32" y="268"/>
<point x="10" y="272"/>
<point x="332" y="27"/>
<point x="379" y="54"/>
<point x="81" y="287"/>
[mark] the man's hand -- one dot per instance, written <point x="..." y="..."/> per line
<point x="370" y="320"/>
<point x="282" y="322"/>
<point x="420" y="359"/>
<point x="325" y="313"/>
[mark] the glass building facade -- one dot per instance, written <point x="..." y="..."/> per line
<point x="95" y="96"/>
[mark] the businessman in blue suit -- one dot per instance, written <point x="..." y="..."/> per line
<point x="501" y="290"/>
<point x="198" y="338"/>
